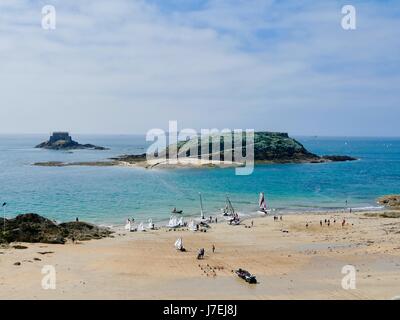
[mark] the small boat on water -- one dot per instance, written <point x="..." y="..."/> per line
<point x="177" y="211"/>
<point x="263" y="205"/>
<point x="245" y="275"/>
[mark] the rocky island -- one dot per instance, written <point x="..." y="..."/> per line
<point x="63" y="141"/>
<point x="269" y="147"/>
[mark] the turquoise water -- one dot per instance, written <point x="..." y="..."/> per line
<point x="109" y="195"/>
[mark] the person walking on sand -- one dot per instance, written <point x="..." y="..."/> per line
<point x="320" y="223"/>
<point x="216" y="220"/>
<point x="343" y="222"/>
<point x="213" y="248"/>
<point x="252" y="223"/>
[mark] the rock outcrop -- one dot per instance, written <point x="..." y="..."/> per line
<point x="63" y="141"/>
<point x="391" y="201"/>
<point x="34" y="228"/>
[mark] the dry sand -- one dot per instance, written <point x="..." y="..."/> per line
<point x="305" y="263"/>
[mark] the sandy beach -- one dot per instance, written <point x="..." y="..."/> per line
<point x="290" y="261"/>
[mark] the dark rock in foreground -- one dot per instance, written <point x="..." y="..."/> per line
<point x="63" y="141"/>
<point x="34" y="228"/>
<point x="391" y="201"/>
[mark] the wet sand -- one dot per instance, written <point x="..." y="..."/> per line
<point x="303" y="263"/>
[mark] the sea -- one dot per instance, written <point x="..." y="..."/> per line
<point x="109" y="195"/>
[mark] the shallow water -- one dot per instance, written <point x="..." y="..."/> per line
<point x="109" y="195"/>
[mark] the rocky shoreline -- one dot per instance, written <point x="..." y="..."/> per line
<point x="390" y="201"/>
<point x="33" y="228"/>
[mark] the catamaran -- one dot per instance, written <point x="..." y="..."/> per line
<point x="229" y="213"/>
<point x="263" y="205"/>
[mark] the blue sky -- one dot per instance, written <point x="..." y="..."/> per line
<point x="127" y="66"/>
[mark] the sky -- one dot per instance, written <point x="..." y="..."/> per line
<point x="128" y="66"/>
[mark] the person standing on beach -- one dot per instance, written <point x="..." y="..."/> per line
<point x="320" y="223"/>
<point x="252" y="223"/>
<point x="213" y="248"/>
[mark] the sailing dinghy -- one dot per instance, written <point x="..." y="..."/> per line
<point x="175" y="223"/>
<point x="179" y="245"/>
<point x="141" y="227"/>
<point x="263" y="205"/>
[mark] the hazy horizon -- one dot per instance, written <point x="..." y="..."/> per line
<point x="144" y="134"/>
<point x="125" y="67"/>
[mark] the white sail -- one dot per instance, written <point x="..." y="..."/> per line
<point x="128" y="226"/>
<point x="150" y="225"/>
<point x="262" y="204"/>
<point x="201" y="207"/>
<point x="141" y="227"/>
<point x="173" y="222"/>
<point x="179" y="244"/>
<point x="192" y="226"/>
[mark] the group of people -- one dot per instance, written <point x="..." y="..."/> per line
<point x="200" y="254"/>
<point x="328" y="222"/>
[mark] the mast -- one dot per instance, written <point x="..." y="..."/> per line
<point x="230" y="205"/>
<point x="201" y="207"/>
<point x="261" y="201"/>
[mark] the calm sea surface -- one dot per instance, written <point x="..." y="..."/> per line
<point x="111" y="194"/>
